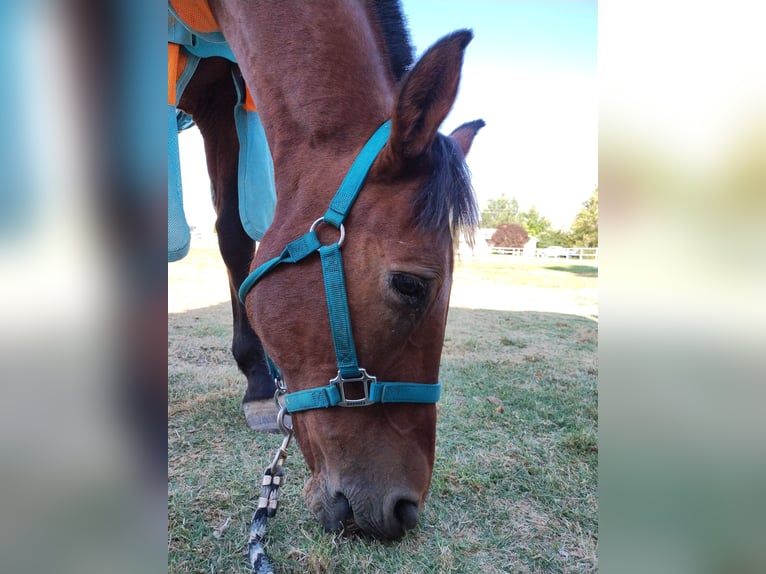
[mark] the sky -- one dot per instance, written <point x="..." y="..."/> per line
<point x="530" y="74"/>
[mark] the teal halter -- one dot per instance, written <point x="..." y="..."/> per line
<point x="349" y="370"/>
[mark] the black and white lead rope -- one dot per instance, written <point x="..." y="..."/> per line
<point x="268" y="502"/>
<point x="273" y="478"/>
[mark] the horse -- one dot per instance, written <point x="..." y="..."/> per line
<point x="209" y="98"/>
<point x="334" y="82"/>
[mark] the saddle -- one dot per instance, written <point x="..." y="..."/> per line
<point x="193" y="34"/>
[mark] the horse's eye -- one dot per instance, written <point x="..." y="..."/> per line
<point x="412" y="289"/>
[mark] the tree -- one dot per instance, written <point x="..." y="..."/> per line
<point x="499" y="211"/>
<point x="554" y="237"/>
<point x="585" y="226"/>
<point x="509" y="235"/>
<point x="534" y="223"/>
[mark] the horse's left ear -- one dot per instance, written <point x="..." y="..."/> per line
<point x="426" y="97"/>
<point x="465" y="133"/>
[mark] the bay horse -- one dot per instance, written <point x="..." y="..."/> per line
<point x="325" y="77"/>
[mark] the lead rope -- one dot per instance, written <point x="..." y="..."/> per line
<point x="273" y="478"/>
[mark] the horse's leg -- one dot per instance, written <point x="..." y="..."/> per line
<point x="210" y="98"/>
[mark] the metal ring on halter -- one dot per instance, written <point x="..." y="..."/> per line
<point x="342" y="230"/>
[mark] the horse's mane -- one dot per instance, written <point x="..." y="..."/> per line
<point x="395" y="35"/>
<point x="447" y="199"/>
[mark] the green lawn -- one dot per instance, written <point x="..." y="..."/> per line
<point x="514" y="487"/>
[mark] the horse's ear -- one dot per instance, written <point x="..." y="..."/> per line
<point x="465" y="133"/>
<point x="426" y="96"/>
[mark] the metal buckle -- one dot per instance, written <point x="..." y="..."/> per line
<point x="363" y="378"/>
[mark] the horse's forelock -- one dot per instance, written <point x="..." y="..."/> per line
<point x="447" y="199"/>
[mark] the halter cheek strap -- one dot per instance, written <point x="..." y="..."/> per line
<point x="349" y="370"/>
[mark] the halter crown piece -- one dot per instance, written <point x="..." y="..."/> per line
<point x="349" y="370"/>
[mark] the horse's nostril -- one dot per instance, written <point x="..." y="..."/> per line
<point x="407" y="513"/>
<point x="337" y="513"/>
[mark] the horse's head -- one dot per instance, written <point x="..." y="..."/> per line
<point x="374" y="464"/>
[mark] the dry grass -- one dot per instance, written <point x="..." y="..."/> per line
<point x="514" y="483"/>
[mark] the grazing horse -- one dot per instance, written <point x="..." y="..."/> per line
<point x="325" y="77"/>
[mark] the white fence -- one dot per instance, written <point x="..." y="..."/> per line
<point x="508" y="250"/>
<point x="578" y="253"/>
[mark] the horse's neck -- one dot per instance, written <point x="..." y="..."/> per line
<point x="317" y="71"/>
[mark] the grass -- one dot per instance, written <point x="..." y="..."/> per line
<point x="536" y="272"/>
<point x="515" y="478"/>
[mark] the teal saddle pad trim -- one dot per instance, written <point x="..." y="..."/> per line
<point x="180" y="33"/>
<point x="179" y="237"/>
<point x="257" y="192"/>
<point x="255" y="178"/>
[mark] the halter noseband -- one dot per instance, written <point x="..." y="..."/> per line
<point x="349" y="370"/>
